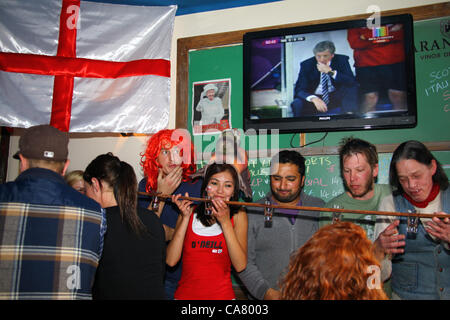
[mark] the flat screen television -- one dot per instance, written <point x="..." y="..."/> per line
<point x="290" y="83"/>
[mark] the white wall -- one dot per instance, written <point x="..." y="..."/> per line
<point x="83" y="148"/>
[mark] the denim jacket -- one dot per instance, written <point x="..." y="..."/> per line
<point x="423" y="270"/>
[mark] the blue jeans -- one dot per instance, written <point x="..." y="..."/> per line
<point x="170" y="286"/>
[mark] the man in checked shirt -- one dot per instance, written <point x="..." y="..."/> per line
<point x="51" y="235"/>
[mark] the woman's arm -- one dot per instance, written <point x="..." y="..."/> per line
<point x="175" y="247"/>
<point x="235" y="238"/>
<point x="240" y="230"/>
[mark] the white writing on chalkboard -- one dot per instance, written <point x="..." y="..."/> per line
<point x="440" y="86"/>
<point x="436" y="87"/>
<point x="439" y="75"/>
<point x="322" y="177"/>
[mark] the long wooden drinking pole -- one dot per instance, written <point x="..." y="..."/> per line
<point x="304" y="208"/>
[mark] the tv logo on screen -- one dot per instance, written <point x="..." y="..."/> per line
<point x="381" y="34"/>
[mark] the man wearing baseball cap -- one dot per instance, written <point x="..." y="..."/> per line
<point x="51" y="236"/>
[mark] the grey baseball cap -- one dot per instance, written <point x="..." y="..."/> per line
<point x="43" y="142"/>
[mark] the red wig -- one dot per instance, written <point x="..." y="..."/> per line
<point x="167" y="139"/>
<point x="335" y="264"/>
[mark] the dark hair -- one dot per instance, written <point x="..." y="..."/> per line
<point x="350" y="146"/>
<point x="121" y="177"/>
<point x="213" y="169"/>
<point x="415" y="150"/>
<point x="290" y="156"/>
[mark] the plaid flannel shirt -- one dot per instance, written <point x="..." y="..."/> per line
<point x="51" y="238"/>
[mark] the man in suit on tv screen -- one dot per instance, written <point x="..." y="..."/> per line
<point x="325" y="85"/>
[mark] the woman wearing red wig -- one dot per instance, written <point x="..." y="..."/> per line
<point x="168" y="162"/>
<point x="337" y="263"/>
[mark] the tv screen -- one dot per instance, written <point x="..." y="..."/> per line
<point x="349" y="75"/>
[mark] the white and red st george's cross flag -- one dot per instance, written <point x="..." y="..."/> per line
<point x="85" y="66"/>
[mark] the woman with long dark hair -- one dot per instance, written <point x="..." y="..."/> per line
<point x="210" y="240"/>
<point x="133" y="261"/>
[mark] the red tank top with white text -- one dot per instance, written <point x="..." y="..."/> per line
<point x="206" y="270"/>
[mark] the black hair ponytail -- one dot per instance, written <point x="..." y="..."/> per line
<point x="122" y="178"/>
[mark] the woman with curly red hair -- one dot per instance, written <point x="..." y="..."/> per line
<point x="337" y="263"/>
<point x="168" y="162"/>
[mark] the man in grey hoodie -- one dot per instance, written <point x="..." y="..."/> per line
<point x="271" y="243"/>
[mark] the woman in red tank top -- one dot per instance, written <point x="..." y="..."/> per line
<point x="210" y="244"/>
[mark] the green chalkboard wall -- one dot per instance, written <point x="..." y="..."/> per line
<point x="323" y="179"/>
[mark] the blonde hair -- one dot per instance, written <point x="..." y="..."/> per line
<point x="73" y="177"/>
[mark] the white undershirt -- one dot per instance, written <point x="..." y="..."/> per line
<point x="201" y="230"/>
